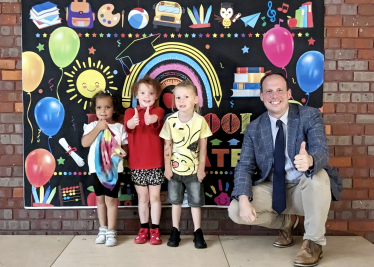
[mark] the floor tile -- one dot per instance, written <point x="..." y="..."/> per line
<point x="259" y="251"/>
<point x="83" y="251"/>
<point x="31" y="250"/>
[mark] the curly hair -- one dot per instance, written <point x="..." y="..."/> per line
<point x="150" y="82"/>
<point x="118" y="109"/>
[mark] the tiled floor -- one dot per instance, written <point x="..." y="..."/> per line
<point x="254" y="251"/>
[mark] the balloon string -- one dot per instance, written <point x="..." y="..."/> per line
<point x="307" y="99"/>
<point x="285" y="71"/>
<point x="58" y="97"/>
<point x="28" y="119"/>
<point x="50" y="150"/>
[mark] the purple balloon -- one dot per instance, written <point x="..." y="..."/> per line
<point x="278" y="46"/>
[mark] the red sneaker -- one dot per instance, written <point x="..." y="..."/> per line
<point x="143" y="236"/>
<point x="155" y="237"/>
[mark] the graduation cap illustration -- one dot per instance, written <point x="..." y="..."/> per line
<point x="136" y="52"/>
<point x="251" y="20"/>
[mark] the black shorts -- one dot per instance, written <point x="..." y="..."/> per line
<point x="102" y="190"/>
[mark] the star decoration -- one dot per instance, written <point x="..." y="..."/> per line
<point x="101" y="35"/>
<point x="245" y="49"/>
<point x="122" y="35"/>
<point x="200" y="35"/>
<point x="79" y="34"/>
<point x="257" y="35"/>
<point x="129" y="35"/>
<point x="193" y="35"/>
<point x="221" y="35"/>
<point x="45" y="35"/>
<point x="151" y="34"/>
<point x="94" y="35"/>
<point x="236" y="35"/>
<point x="40" y="47"/>
<point x="87" y="34"/>
<point x="186" y="35"/>
<point x="137" y="35"/>
<point x="250" y="34"/>
<point x="311" y="41"/>
<point x="37" y="35"/>
<point x="172" y="35"/>
<point x="207" y="35"/>
<point x="144" y="35"/>
<point x="165" y="35"/>
<point x="91" y="50"/>
<point x="292" y="34"/>
<point x="299" y="34"/>
<point x="229" y="35"/>
<point x="243" y="35"/>
<point x="108" y="35"/>
<point x="214" y="35"/>
<point x="115" y="35"/>
<point x="263" y="35"/>
<point x="306" y="34"/>
<point x="179" y="35"/>
<point x="61" y="161"/>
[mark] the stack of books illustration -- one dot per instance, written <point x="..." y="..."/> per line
<point x="247" y="81"/>
<point x="304" y="16"/>
<point x="45" y="15"/>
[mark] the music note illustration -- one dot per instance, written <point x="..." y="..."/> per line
<point x="263" y="18"/>
<point x="284" y="8"/>
<point x="271" y="12"/>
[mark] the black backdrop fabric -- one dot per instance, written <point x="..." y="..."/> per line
<point x="207" y="55"/>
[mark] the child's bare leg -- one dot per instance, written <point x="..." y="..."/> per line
<point x="101" y="210"/>
<point x="112" y="210"/>
<point x="176" y="215"/>
<point x="154" y="195"/>
<point x="143" y="203"/>
<point x="196" y="217"/>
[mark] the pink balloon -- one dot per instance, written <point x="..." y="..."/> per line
<point x="278" y="46"/>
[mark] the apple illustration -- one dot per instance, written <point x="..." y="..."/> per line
<point x="291" y="22"/>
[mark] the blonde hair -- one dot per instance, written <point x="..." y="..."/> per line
<point x="189" y="85"/>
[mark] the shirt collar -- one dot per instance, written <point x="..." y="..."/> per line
<point x="138" y="107"/>
<point x="284" y="118"/>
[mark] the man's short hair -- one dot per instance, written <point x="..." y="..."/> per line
<point x="269" y="73"/>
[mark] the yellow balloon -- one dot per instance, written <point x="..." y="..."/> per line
<point x="32" y="71"/>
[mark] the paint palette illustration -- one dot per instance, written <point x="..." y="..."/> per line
<point x="106" y="17"/>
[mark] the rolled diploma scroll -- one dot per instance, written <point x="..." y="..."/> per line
<point x="76" y="158"/>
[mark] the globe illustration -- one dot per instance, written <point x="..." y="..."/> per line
<point x="138" y="18"/>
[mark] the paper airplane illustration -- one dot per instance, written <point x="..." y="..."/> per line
<point x="251" y="20"/>
<point x="136" y="52"/>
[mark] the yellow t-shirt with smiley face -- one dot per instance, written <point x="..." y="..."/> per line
<point x="185" y="137"/>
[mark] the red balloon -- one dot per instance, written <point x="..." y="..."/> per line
<point x="39" y="166"/>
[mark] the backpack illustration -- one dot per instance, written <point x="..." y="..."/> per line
<point x="80" y="15"/>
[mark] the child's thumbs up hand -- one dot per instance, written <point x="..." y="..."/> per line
<point x="134" y="121"/>
<point x="303" y="160"/>
<point x="149" y="119"/>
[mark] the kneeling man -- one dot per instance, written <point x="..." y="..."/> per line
<point x="283" y="172"/>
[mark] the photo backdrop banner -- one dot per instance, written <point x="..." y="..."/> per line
<point x="72" y="49"/>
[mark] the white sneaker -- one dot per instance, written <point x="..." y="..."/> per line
<point x="111" y="240"/>
<point x="101" y="236"/>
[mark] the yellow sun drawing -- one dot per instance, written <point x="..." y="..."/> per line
<point x="91" y="79"/>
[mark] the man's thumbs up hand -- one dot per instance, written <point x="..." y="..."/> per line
<point x="303" y="160"/>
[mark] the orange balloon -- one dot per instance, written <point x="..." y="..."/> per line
<point x="32" y="71"/>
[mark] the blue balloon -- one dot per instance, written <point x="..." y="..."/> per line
<point x="309" y="71"/>
<point x="49" y="115"/>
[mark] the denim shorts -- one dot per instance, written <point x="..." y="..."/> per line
<point x="194" y="189"/>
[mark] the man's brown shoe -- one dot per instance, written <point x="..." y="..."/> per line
<point x="309" y="254"/>
<point x="285" y="238"/>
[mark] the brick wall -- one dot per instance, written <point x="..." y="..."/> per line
<point x="348" y="115"/>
